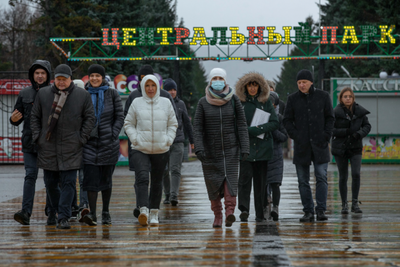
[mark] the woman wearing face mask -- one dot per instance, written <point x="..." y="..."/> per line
<point x="220" y="137"/>
<point x="100" y="153"/>
<point x="151" y="126"/>
<point x="253" y="91"/>
<point x="351" y="126"/>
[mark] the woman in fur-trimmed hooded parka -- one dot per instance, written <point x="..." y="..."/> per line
<point x="220" y="136"/>
<point x="253" y="91"/>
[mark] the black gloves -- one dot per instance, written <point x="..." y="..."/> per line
<point x="356" y="136"/>
<point x="244" y="156"/>
<point x="254" y="131"/>
<point x="201" y="155"/>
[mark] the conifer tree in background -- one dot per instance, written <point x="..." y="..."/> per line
<point x="342" y="13"/>
<point x="86" y="18"/>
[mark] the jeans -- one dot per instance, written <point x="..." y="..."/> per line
<point x="61" y="200"/>
<point x="255" y="172"/>
<point x="31" y="174"/>
<point x="321" y="192"/>
<point x="343" y="167"/>
<point x="171" y="183"/>
<point x="83" y="198"/>
<point x="143" y="162"/>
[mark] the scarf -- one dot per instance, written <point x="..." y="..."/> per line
<point x="98" y="109"/>
<point x="60" y="96"/>
<point x="218" y="99"/>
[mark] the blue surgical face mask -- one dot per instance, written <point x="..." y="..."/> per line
<point x="218" y="85"/>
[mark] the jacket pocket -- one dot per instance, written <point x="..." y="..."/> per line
<point x="26" y="139"/>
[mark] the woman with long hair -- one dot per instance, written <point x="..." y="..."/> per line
<point x="351" y="126"/>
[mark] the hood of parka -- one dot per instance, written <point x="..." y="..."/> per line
<point x="241" y="90"/>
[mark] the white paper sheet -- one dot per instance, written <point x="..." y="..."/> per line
<point x="260" y="117"/>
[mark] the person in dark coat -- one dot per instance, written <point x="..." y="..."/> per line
<point x="351" y="126"/>
<point x="281" y="105"/>
<point x="39" y="76"/>
<point x="61" y="121"/>
<point x="275" y="165"/>
<point x="143" y="71"/>
<point x="220" y="138"/>
<point x="171" y="182"/>
<point x="309" y="122"/>
<point x="253" y="92"/>
<point x="100" y="153"/>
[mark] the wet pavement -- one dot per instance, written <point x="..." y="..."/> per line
<point x="185" y="235"/>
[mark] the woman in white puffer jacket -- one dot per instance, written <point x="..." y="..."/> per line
<point x="151" y="127"/>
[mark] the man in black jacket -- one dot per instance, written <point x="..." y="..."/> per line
<point x="309" y="122"/>
<point x="143" y="71"/>
<point x="39" y="76"/>
<point x="171" y="183"/>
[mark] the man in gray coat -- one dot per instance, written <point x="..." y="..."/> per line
<point x="61" y="122"/>
<point x="171" y="183"/>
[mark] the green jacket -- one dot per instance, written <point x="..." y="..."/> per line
<point x="260" y="149"/>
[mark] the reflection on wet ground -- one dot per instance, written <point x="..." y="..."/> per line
<point x="185" y="235"/>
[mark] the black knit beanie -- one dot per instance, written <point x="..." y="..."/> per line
<point x="170" y="84"/>
<point x="95" y="68"/>
<point x="145" y="70"/>
<point x="304" y="75"/>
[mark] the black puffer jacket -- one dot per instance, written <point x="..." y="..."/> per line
<point x="343" y="142"/>
<point x="25" y="101"/>
<point x="184" y="125"/>
<point x="275" y="165"/>
<point x="214" y="133"/>
<point x="63" y="151"/>
<point x="104" y="149"/>
<point x="309" y="122"/>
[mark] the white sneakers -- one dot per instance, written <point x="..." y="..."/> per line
<point x="154" y="216"/>
<point x="144" y="214"/>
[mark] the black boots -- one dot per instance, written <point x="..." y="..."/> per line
<point x="345" y="208"/>
<point x="166" y="200"/>
<point x="308" y="217"/>
<point x="22" y="217"/>
<point x="354" y="206"/>
<point x="321" y="216"/>
<point x="275" y="213"/>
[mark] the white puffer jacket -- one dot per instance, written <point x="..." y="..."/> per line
<point x="151" y="122"/>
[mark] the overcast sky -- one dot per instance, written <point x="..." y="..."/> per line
<point x="242" y="13"/>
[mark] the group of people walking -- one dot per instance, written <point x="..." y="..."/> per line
<point x="236" y="135"/>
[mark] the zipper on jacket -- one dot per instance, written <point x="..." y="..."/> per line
<point x="97" y="139"/>
<point x="152" y="128"/>
<point x="222" y="140"/>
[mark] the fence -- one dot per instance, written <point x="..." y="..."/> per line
<point x="11" y="83"/>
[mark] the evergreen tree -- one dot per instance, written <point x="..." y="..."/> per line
<point x="342" y="13"/>
<point x="357" y="13"/>
<point x="286" y="83"/>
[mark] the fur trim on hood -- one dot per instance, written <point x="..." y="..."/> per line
<point x="252" y="77"/>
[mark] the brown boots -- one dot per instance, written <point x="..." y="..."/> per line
<point x="216" y="207"/>
<point x="230" y="204"/>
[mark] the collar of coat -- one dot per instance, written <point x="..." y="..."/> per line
<point x="252" y="77"/>
<point x="310" y="92"/>
<point x="359" y="111"/>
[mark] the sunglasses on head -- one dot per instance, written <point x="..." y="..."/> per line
<point x="252" y="83"/>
